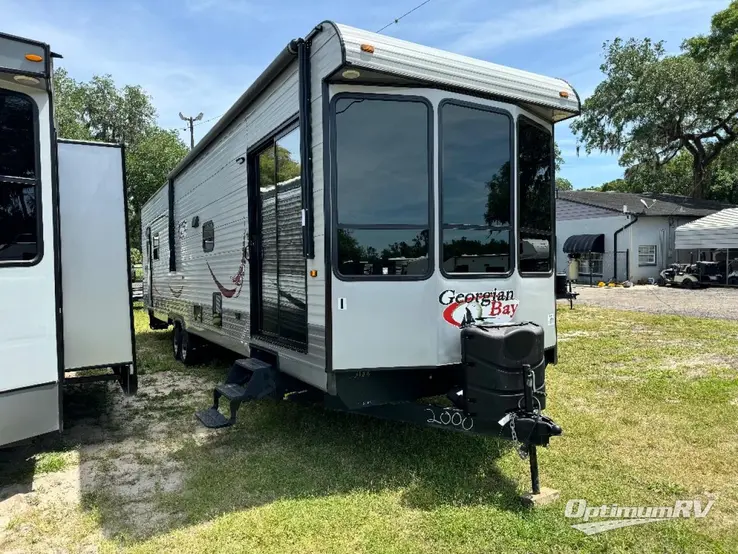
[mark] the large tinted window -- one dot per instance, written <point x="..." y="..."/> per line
<point x="19" y="222"/>
<point x="475" y="190"/>
<point x="383" y="186"/>
<point x="283" y="266"/>
<point x="535" y="191"/>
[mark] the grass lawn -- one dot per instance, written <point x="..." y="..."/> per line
<point x="649" y="407"/>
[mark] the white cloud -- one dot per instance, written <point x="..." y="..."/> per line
<point x="558" y="15"/>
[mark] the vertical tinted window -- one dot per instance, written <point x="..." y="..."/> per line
<point x="291" y="266"/>
<point x="156" y="246"/>
<point x="269" y="287"/>
<point x="535" y="193"/>
<point x="208" y="236"/>
<point x="283" y="287"/>
<point x="475" y="190"/>
<point x="19" y="223"/>
<point x="17" y="135"/>
<point x="383" y="184"/>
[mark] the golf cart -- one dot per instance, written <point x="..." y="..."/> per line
<point x="691" y="276"/>
<point x="679" y="275"/>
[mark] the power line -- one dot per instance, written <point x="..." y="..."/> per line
<point x="403" y="15"/>
<point x="209" y="120"/>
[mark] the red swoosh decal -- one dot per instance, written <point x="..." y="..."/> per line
<point x="228" y="293"/>
<point x="234" y="292"/>
<point x="448" y="313"/>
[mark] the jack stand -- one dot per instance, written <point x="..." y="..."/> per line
<point x="537" y="496"/>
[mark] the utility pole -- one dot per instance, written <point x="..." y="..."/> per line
<point x="191" y="123"/>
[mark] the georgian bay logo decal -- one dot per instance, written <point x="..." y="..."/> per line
<point x="495" y="306"/>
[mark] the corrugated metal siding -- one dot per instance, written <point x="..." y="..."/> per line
<point x="566" y="210"/>
<point x="155" y="214"/>
<point x="719" y="230"/>
<point x="325" y="56"/>
<point x="213" y="188"/>
<point x="438" y="66"/>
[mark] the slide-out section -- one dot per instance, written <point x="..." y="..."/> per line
<point x="98" y="323"/>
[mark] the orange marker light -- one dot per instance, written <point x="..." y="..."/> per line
<point x="34" y="58"/>
<point x="564" y="94"/>
<point x="313" y="273"/>
<point x="368" y="48"/>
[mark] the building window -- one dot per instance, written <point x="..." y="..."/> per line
<point x="476" y="186"/>
<point x="591" y="265"/>
<point x="535" y="197"/>
<point x="647" y="255"/>
<point x="20" y="221"/>
<point x="383" y="186"/>
<point x="156" y="246"/>
<point x="208" y="236"/>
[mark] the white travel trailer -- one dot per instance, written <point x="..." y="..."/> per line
<point x="63" y="253"/>
<point x="363" y="211"/>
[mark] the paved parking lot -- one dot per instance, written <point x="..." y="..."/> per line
<point x="719" y="303"/>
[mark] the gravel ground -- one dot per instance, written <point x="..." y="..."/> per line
<point x="718" y="303"/>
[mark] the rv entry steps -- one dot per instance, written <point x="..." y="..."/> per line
<point x="248" y="379"/>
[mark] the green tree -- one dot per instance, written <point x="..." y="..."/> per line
<point x="559" y="159"/>
<point x="287" y="167"/>
<point x="719" y="49"/>
<point x="98" y="110"/>
<point x="148" y="162"/>
<point x="652" y="106"/>
<point x="563" y="184"/>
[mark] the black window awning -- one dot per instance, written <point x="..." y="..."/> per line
<point x="584" y="244"/>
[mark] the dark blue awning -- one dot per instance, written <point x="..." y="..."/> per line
<point x="584" y="244"/>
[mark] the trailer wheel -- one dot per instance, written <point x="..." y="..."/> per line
<point x="177" y="340"/>
<point x="188" y="348"/>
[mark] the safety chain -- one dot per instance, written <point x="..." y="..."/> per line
<point x="522" y="449"/>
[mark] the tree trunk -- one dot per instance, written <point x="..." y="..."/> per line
<point x="698" y="176"/>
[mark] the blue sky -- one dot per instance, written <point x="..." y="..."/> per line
<point x="200" y="55"/>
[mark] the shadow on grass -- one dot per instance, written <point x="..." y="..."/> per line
<point x="283" y="451"/>
<point x="277" y="451"/>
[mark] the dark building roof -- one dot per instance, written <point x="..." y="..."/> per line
<point x="659" y="204"/>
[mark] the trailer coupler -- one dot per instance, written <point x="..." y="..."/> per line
<point x="530" y="428"/>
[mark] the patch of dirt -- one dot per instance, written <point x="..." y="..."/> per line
<point x="701" y="366"/>
<point x="125" y="462"/>
<point x="572" y="335"/>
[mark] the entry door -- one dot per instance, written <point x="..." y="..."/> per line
<point x="278" y="276"/>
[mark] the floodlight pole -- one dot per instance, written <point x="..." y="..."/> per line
<point x="191" y="124"/>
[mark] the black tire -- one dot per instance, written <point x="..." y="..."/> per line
<point x="688" y="284"/>
<point x="188" y="348"/>
<point x="177" y="341"/>
<point x="661" y="282"/>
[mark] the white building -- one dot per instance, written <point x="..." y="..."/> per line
<point x="622" y="235"/>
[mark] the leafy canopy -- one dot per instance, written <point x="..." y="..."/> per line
<point x="98" y="110"/>
<point x="652" y="106"/>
